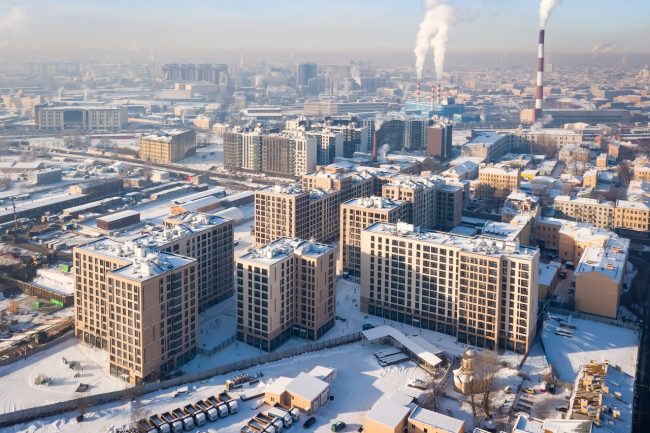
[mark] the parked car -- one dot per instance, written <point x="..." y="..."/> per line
<point x="562" y="275"/>
<point x="542" y="387"/>
<point x="367" y="326"/>
<point x="561" y="409"/>
<point x="417" y="383"/>
<point x="528" y="390"/>
<point x="338" y="426"/>
<point x="310" y="422"/>
<point x="573" y="283"/>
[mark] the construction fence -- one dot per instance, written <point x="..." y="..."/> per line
<point x="209" y="352"/>
<point x="37" y="291"/>
<point x="60" y="408"/>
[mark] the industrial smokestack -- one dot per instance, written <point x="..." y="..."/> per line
<point x="539" y="92"/>
<point x="438" y="93"/>
<point x="417" y="92"/>
<point x="432" y="98"/>
<point x="374" y="148"/>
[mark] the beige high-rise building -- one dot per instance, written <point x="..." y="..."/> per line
<point x="421" y="193"/>
<point x="286" y="288"/>
<point x="356" y="215"/>
<point x="139" y="304"/>
<point x="165" y="147"/>
<point x="496" y="183"/>
<point x="209" y="240"/>
<point x="289" y="211"/>
<point x="481" y="290"/>
<point x="600" y="213"/>
<point x="449" y="207"/>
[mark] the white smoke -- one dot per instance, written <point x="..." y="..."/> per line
<point x="12" y="19"/>
<point x="382" y="152"/>
<point x="60" y="92"/>
<point x="346" y="87"/>
<point x="355" y="74"/>
<point x="545" y="120"/>
<point x="379" y="120"/>
<point x="85" y="93"/>
<point x="545" y="9"/>
<point x="434" y="33"/>
<point x="131" y="46"/>
<point x="603" y="48"/>
<point x="583" y="103"/>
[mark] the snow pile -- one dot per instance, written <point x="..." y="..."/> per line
<point x="55" y="280"/>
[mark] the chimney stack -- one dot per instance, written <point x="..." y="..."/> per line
<point x="374" y="148"/>
<point x="438" y="93"/>
<point x="432" y="98"/>
<point x="417" y="92"/>
<point x="539" y="92"/>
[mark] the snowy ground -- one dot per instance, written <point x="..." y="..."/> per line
<point x="56" y="280"/>
<point x="20" y="392"/>
<point x="206" y="157"/>
<point x="360" y="383"/>
<point x="591" y="340"/>
<point x="217" y="324"/>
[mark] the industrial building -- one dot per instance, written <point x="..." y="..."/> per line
<point x="165" y="147"/>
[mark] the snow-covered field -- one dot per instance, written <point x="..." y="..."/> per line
<point x="360" y="383"/>
<point x="206" y="157"/>
<point x="56" y="280"/>
<point x="591" y="340"/>
<point x="20" y="392"/>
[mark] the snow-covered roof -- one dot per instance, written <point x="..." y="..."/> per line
<point x="547" y="273"/>
<point x="376" y="203"/>
<point x="415" y="346"/>
<point x="278" y="386"/>
<point x="526" y="424"/>
<point x="320" y="372"/>
<point x="608" y="260"/>
<point x="637" y="205"/>
<point x="307" y="386"/>
<point x="118" y="216"/>
<point x="388" y="413"/>
<point x="438" y="420"/>
<point x="202" y="202"/>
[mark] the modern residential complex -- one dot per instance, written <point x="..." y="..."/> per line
<point x="169" y="146"/>
<point x="285" y="288"/>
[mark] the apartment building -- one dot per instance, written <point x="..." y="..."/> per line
<point x="481" y="290"/>
<point x="81" y="117"/>
<point x="519" y="203"/>
<point x="137" y="303"/>
<point x="633" y="216"/>
<point x="439" y="140"/>
<point x="489" y="145"/>
<point x="208" y="239"/>
<point x="165" y="147"/>
<point x="558" y="137"/>
<point x="449" y="207"/>
<point x="495" y="183"/>
<point x="289" y="211"/>
<point x="285" y="288"/>
<point x="600" y="277"/>
<point x="421" y="193"/>
<point x="329" y="145"/>
<point x="600" y="213"/>
<point x="356" y="215"/>
<point x="232" y="150"/>
<point x="351" y="184"/>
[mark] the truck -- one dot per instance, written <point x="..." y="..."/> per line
<point x="261" y="427"/>
<point x="208" y="409"/>
<point x="197" y="414"/>
<point x="186" y="419"/>
<point x="177" y="424"/>
<point x="282" y="415"/>
<point x="161" y="425"/>
<point x="277" y="423"/>
<point x="294" y="411"/>
<point x="231" y="402"/>
<point x="147" y="426"/>
<point x="221" y="407"/>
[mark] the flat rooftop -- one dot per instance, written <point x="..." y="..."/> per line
<point x="282" y="248"/>
<point x="388" y="413"/>
<point x="118" y="216"/>
<point x="376" y="203"/>
<point x="437" y="420"/>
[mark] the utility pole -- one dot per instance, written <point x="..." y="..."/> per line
<point x="13" y="202"/>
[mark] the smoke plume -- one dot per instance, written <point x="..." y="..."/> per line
<point x="12" y="18"/>
<point x="131" y="46"/>
<point x="379" y="120"/>
<point x="434" y="33"/>
<point x="355" y="74"/>
<point x="383" y="151"/>
<point x="545" y="120"/>
<point x="603" y="48"/>
<point x="545" y="9"/>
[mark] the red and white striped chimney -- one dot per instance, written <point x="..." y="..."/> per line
<point x="417" y="92"/>
<point x="438" y="93"/>
<point x="539" y="92"/>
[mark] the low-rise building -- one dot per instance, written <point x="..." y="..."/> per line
<point x="165" y="147"/>
<point x="600" y="213"/>
<point x="497" y="183"/>
<point x="632" y="216"/>
<point x="46" y="176"/>
<point x="306" y="392"/>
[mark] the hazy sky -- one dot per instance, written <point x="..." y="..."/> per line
<point x="135" y="27"/>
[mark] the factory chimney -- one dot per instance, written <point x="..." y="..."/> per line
<point x="374" y="148"/>
<point x="539" y="92"/>
<point x="432" y="98"/>
<point x="438" y="93"/>
<point x="417" y="92"/>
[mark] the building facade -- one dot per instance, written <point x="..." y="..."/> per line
<point x="85" y="118"/>
<point x="166" y="147"/>
<point x="286" y="288"/>
<point x="496" y="183"/>
<point x="482" y="291"/>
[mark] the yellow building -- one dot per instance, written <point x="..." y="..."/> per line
<point x="427" y="421"/>
<point x="305" y="392"/>
<point x="496" y="183"/>
<point x="588" y="210"/>
<point x="632" y="215"/>
<point x="165" y="147"/>
<point x="386" y="416"/>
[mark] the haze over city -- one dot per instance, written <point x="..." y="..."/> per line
<point x="363" y="216"/>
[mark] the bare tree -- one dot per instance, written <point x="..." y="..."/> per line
<point x="138" y="413"/>
<point x="147" y="172"/>
<point x="488" y="366"/>
<point x="625" y="172"/>
<point x="105" y="143"/>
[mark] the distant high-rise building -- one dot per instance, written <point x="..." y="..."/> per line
<point x="305" y="71"/>
<point x="439" y="140"/>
